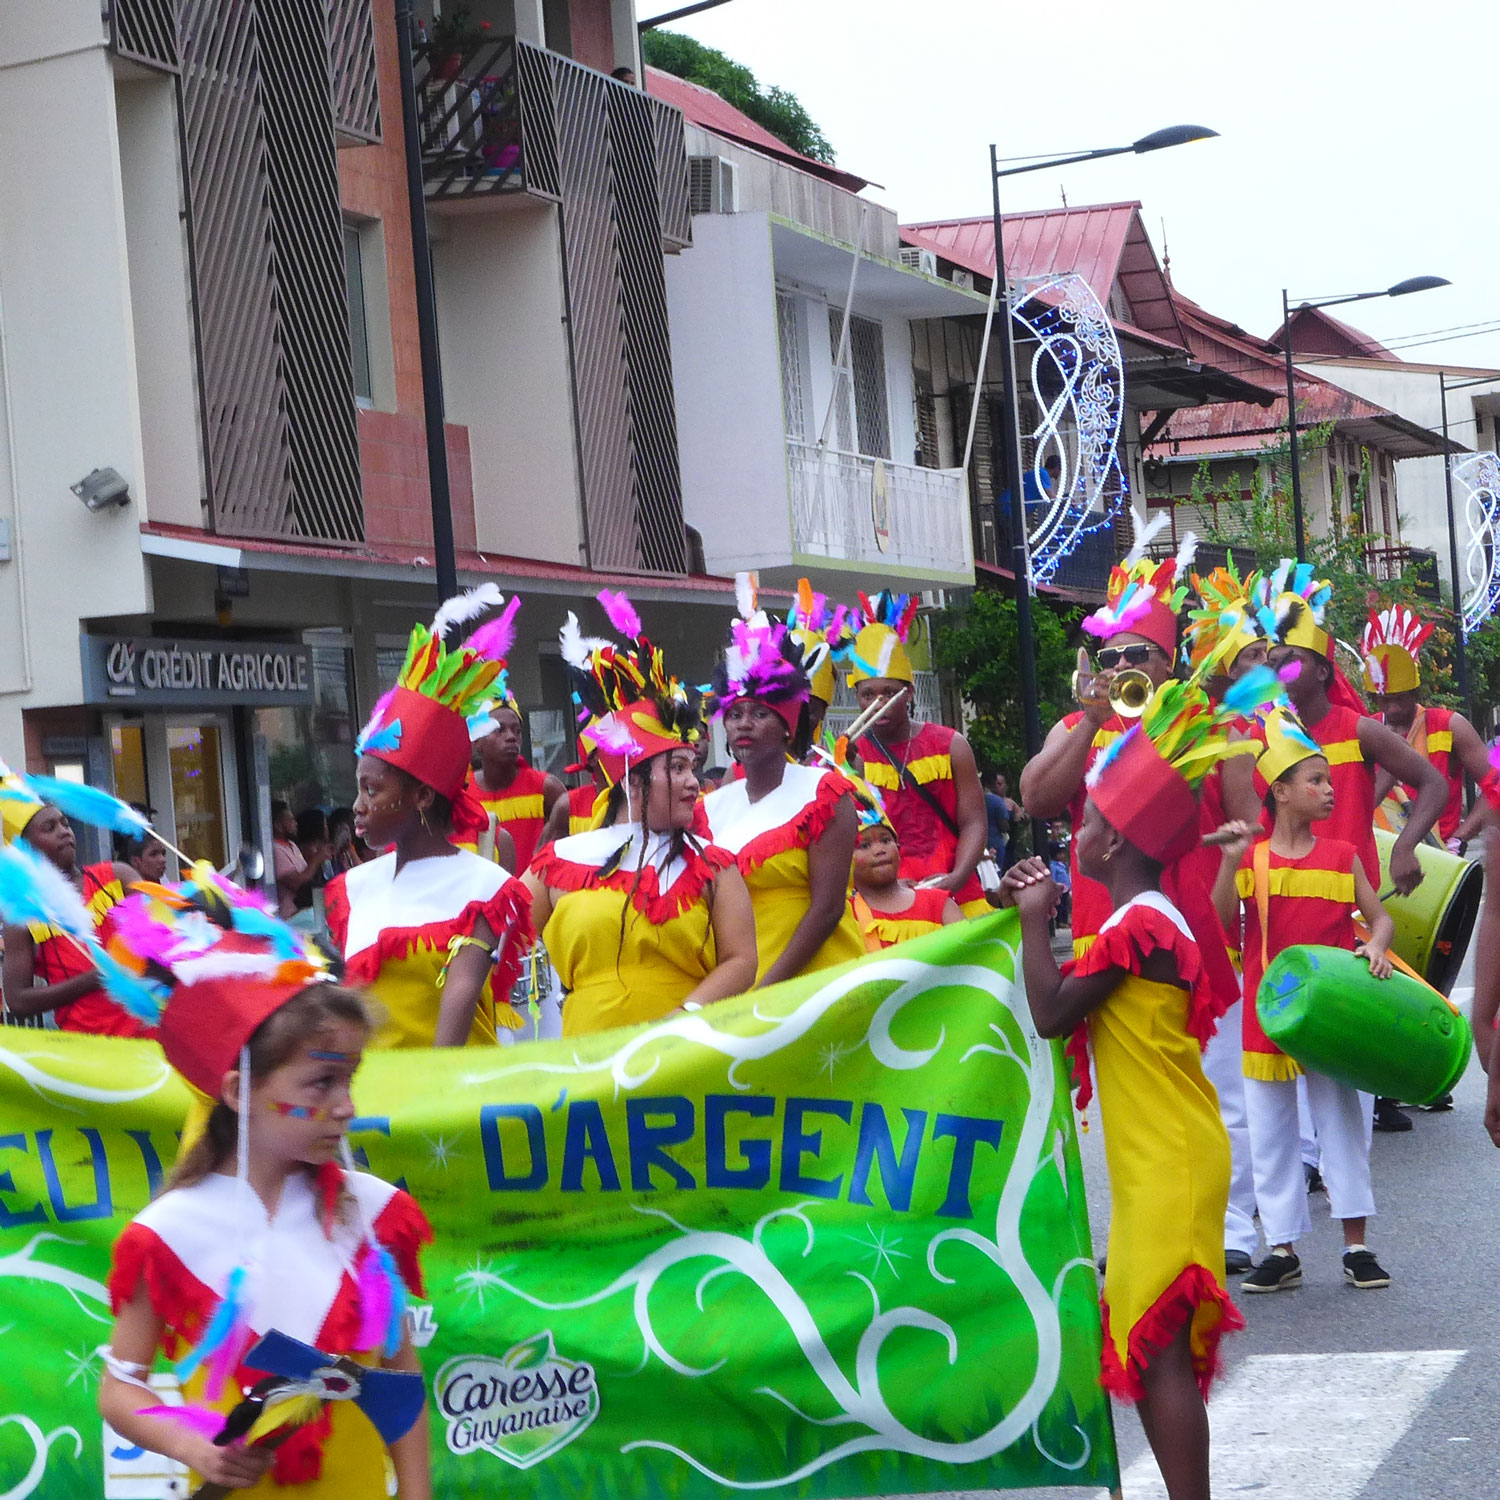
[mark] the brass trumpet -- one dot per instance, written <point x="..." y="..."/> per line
<point x="1130" y="692"/>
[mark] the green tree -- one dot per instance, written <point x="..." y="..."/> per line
<point x="976" y="641"/>
<point x="776" y="109"/>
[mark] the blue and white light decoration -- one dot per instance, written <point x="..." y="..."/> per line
<point x="1077" y="356"/>
<point x="1478" y="476"/>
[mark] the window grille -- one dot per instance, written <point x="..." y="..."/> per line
<point x="789" y="336"/>
<point x="871" y="423"/>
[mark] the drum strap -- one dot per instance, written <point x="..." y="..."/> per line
<point x="1260" y="868"/>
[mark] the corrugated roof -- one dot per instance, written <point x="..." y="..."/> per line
<point x="1105" y="243"/>
<point x="713" y="112"/>
<point x="1316" y="331"/>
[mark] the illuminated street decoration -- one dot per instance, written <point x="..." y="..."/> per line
<point x="1078" y="378"/>
<point x="1478" y="474"/>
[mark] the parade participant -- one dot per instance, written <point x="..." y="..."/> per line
<point x="638" y="916"/>
<point x="434" y="931"/>
<point x="1392" y="640"/>
<point x="925" y="772"/>
<point x="826" y="638"/>
<point x="1298" y="887"/>
<point x="146" y="855"/>
<point x="1224" y="642"/>
<point x="888" y="910"/>
<point x="44" y="970"/>
<point x="259" y="1227"/>
<point x="1290" y="605"/>
<point x="790" y="827"/>
<point x="575" y="812"/>
<point x="1141" y="998"/>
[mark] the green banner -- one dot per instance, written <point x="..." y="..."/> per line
<point x="826" y="1239"/>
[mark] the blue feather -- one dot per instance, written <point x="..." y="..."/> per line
<point x="220" y="1326"/>
<point x="257" y="923"/>
<point x="143" y="999"/>
<point x="89" y="805"/>
<point x="388" y="737"/>
<point x="33" y="889"/>
<point x="1254" y="689"/>
<point x="18" y="899"/>
<point x="398" y="1298"/>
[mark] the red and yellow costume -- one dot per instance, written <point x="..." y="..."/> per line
<point x="58" y="958"/>
<point x="581" y="800"/>
<point x="883" y="929"/>
<point x="519" y="808"/>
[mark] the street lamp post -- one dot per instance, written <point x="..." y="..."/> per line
<point x="1401" y="289"/>
<point x="1020" y="549"/>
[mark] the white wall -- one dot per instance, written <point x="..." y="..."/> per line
<point x="506" y="376"/>
<point x="172" y="483"/>
<point x="68" y="360"/>
<point x="726" y="369"/>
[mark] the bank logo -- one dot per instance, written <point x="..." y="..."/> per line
<point x="523" y="1407"/>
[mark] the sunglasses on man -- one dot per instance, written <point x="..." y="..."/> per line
<point x="1110" y="657"/>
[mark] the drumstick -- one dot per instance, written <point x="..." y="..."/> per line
<point x="1222" y="836"/>
<point x="873" y="712"/>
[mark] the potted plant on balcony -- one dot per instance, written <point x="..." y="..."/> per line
<point x="453" y="37"/>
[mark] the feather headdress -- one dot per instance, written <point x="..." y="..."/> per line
<point x="868" y="803"/>
<point x="1290" y="604"/>
<point x="1144" y="596"/>
<point x="1223" y="622"/>
<point x="884" y="626"/>
<point x="825" y="635"/>
<point x="633" y="706"/>
<point x="765" y="661"/>
<point x="1392" y="640"/>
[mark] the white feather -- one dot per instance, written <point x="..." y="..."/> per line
<point x="58" y="894"/>
<point x="577" y="647"/>
<point x="225" y="966"/>
<point x="746" y="591"/>
<point x="466" y="606"/>
<point x="1185" y="555"/>
<point x="1144" y="535"/>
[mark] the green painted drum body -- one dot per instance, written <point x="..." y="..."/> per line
<point x="1394" y="1037"/>
<point x="1435" y="922"/>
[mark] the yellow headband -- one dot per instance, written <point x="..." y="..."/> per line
<point x="1287" y="744"/>
<point x="815" y="641"/>
<point x="878" y="652"/>
<point x="1396" y="670"/>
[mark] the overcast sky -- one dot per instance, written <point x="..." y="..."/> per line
<point x="1358" y="136"/>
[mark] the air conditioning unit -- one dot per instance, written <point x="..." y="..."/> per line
<point x="934" y="598"/>
<point x="965" y="279"/>
<point x="713" y="185"/>
<point x="914" y="258"/>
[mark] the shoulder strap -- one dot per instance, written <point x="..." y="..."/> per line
<point x="1260" y="866"/>
<point x="908" y="780"/>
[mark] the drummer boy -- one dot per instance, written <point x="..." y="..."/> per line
<point x="1299" y="888"/>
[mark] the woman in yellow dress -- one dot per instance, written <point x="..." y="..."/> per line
<point x="434" y="932"/>
<point x="639" y="917"/>
<point x="1137" y="997"/>
<point x="790" y="827"/>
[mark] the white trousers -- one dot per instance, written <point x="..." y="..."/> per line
<point x="1338" y="1115"/>
<point x="1223" y="1061"/>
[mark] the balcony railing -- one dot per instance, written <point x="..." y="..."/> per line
<point x="1417" y="565"/>
<point x="871" y="510"/>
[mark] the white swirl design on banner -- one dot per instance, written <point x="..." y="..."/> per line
<point x="41" y="1444"/>
<point x="861" y="1402"/>
<point x="43" y="1082"/>
<point x="1478" y="476"/>
<point x="24" y="1265"/>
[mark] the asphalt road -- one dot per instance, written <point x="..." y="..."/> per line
<point x="1333" y="1394"/>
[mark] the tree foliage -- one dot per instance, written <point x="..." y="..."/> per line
<point x="976" y="641"/>
<point x="776" y="109"/>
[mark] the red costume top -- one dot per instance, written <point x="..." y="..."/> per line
<point x="1431" y="734"/>
<point x="580" y="809"/>
<point x="58" y="958"/>
<point x="929" y="846"/>
<point x="520" y="809"/>
<point x="1311" y="900"/>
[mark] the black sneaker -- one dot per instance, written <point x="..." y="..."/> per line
<point x="1236" y="1262"/>
<point x="1439" y="1106"/>
<point x="1314" y="1178"/>
<point x="1363" y="1272"/>
<point x="1390" y="1117"/>
<point x="1276" y="1273"/>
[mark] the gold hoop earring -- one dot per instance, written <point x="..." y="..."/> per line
<point x="426" y="826"/>
<point x="1108" y="855"/>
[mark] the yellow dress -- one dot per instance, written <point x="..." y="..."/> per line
<point x="1167" y="1153"/>
<point x="395" y="929"/>
<point x="632" y="944"/>
<point x="769" y="840"/>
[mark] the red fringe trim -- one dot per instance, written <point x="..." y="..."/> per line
<point x="508" y="913"/>
<point x="807" y="825"/>
<point x="647" y="896"/>
<point x="1194" y="1288"/>
<point x="177" y="1297"/>
<point x="403" y="1229"/>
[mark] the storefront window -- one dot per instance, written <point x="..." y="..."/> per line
<point x="193" y="758"/>
<point x="311" y="750"/>
<point x="127" y="744"/>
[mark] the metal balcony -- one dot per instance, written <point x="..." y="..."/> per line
<point x="891" y="517"/>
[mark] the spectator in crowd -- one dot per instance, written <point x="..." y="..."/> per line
<point x="146" y="855"/>
<point x="294" y="876"/>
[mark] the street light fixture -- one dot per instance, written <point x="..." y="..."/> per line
<point x="1401" y="289"/>
<point x="1171" y="135"/>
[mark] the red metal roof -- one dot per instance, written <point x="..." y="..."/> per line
<point x="713" y="112"/>
<point x="1316" y="331"/>
<point x="1105" y="243"/>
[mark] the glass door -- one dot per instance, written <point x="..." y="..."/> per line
<point x="196" y="774"/>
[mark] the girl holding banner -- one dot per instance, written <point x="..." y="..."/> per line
<point x="1141" y="1002"/>
<point x="434" y="932"/>
<point x="639" y="917"/>
<point x="790" y="827"/>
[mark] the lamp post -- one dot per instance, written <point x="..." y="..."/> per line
<point x="1401" y="289"/>
<point x="1172" y="135"/>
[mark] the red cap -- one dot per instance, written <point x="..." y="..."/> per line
<point x="1159" y="626"/>
<point x="640" y="722"/>
<point x="1147" y="801"/>
<point x="434" y="743"/>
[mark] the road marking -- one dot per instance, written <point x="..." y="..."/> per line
<point x="1286" y="1426"/>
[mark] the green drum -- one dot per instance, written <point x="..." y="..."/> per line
<point x="1394" y="1037"/>
<point x="1435" y="922"/>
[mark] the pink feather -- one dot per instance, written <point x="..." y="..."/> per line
<point x="1290" y="672"/>
<point x="609" y="734"/>
<point x="375" y="1303"/>
<point x="142" y="933"/>
<point x="202" y="1420"/>
<point x="622" y="614"/>
<point x="494" y="640"/>
<point x="1495" y="755"/>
